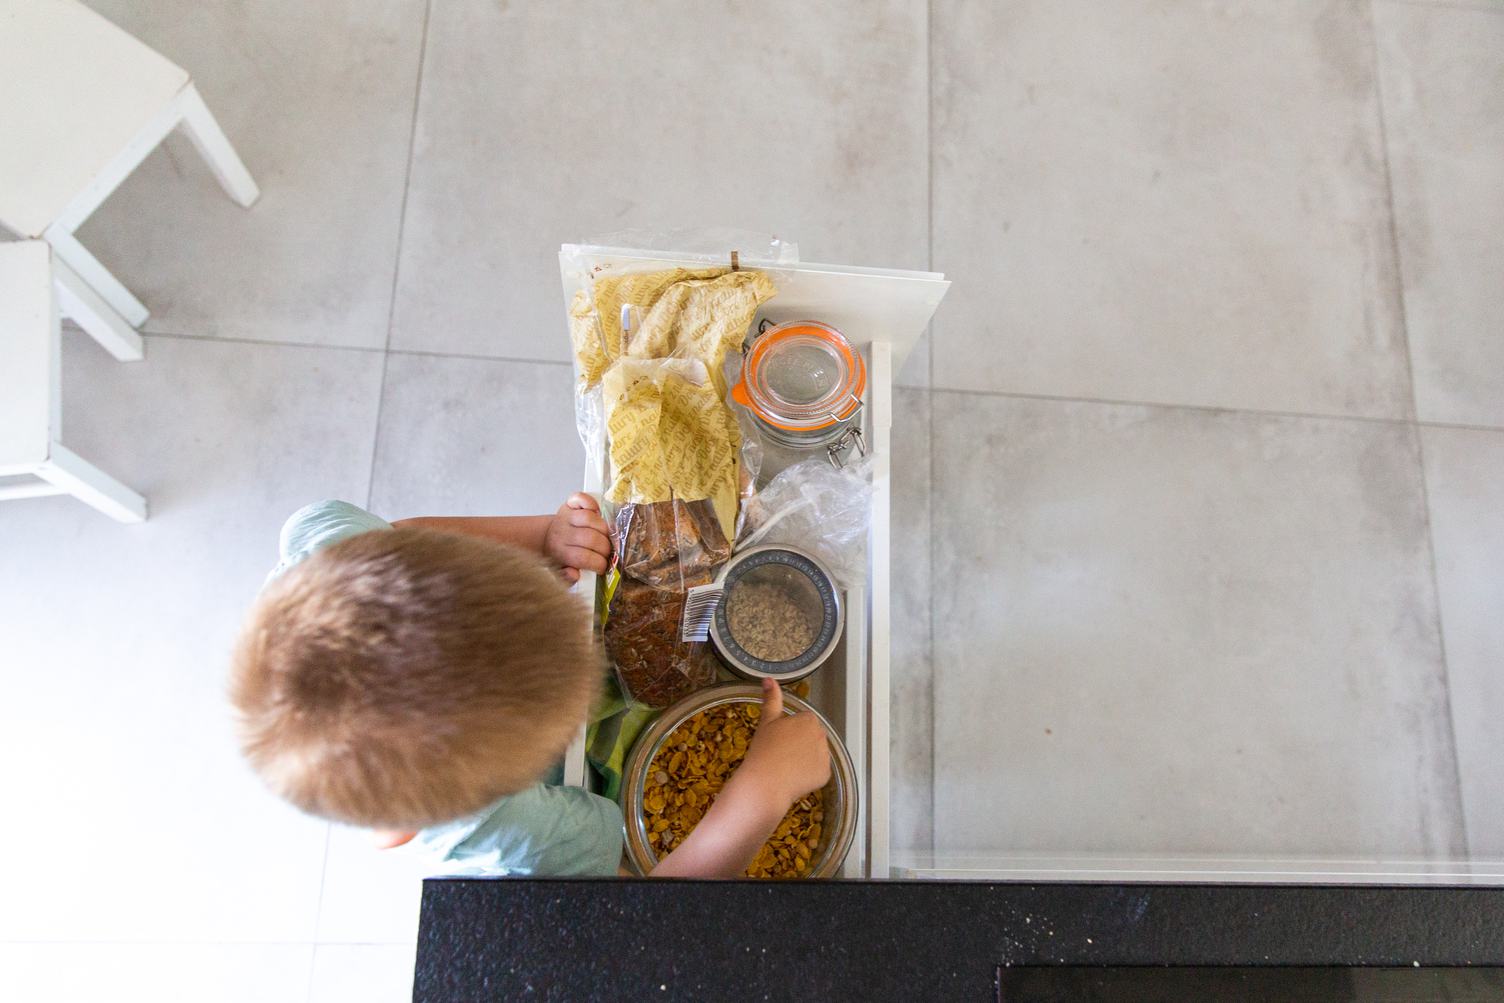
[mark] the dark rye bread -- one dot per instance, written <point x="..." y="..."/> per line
<point x="666" y="549"/>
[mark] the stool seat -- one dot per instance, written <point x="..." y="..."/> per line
<point x="78" y="90"/>
<point x="82" y="103"/>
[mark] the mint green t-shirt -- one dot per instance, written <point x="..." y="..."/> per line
<point x="547" y="830"/>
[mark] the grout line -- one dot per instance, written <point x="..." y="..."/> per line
<point x="386" y="359"/>
<point x="1441" y="643"/>
<point x="929" y="398"/>
<point x="407" y="176"/>
<point x="1218" y="409"/>
<point x="1481" y="6"/>
<point x="258" y="341"/>
<point x="1420" y="446"/>
<point x="1254" y="412"/>
<point x="1459" y="426"/>
<point x="514" y="359"/>
<point x="391" y="309"/>
<point x="479" y="358"/>
<point x="1062" y="398"/>
<point x="1394" y="232"/>
<point x="1213" y="408"/>
<point x="313" y="961"/>
<point x="1128" y="402"/>
<point x="318" y="909"/>
<point x="930" y="508"/>
<point x="929" y="129"/>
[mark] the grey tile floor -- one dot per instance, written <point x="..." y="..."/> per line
<point x="1198" y="475"/>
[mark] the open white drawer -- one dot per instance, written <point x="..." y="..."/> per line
<point x="883" y="312"/>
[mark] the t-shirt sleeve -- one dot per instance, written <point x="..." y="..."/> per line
<point x="319" y="525"/>
<point x="543" y="831"/>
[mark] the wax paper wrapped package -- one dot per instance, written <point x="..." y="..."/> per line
<point x="651" y="353"/>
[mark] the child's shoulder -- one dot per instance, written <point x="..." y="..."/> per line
<point x="543" y="830"/>
<point x="321" y="524"/>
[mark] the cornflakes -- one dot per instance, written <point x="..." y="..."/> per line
<point x="688" y="772"/>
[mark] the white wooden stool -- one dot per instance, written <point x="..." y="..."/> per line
<point x="81" y="105"/>
<point x="34" y="290"/>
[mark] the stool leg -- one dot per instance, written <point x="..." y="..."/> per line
<point x="93" y="486"/>
<point x="67" y="249"/>
<point x="200" y="125"/>
<point x="94" y="315"/>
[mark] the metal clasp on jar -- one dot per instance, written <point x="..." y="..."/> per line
<point x="849" y="438"/>
<point x="762" y="329"/>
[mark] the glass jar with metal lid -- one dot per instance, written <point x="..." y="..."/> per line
<point x="840" y="796"/>
<point x="803" y="383"/>
<point x="780" y="614"/>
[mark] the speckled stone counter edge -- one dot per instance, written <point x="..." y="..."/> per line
<point x="483" y="939"/>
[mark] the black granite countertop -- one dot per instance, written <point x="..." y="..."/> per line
<point x="506" y="939"/>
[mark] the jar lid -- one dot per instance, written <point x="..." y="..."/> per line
<point x="802" y="376"/>
<point x="780" y="613"/>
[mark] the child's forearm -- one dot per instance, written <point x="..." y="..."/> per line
<point x="727" y="839"/>
<point x="525" y="531"/>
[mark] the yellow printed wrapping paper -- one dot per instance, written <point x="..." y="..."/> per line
<point x="671" y="433"/>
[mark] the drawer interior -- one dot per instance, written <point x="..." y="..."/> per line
<point x="883" y="314"/>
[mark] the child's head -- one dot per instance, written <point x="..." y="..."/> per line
<point x="406" y="677"/>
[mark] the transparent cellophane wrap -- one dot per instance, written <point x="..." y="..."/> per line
<point x="656" y="351"/>
<point x="820" y="508"/>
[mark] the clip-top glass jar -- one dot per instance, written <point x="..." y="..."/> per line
<point x="803" y="383"/>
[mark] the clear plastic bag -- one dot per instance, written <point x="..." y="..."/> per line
<point x="707" y="247"/>
<point x="665" y="549"/>
<point x="822" y="509"/>
<point x="656" y="351"/>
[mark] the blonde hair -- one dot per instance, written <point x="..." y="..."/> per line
<point x="407" y="677"/>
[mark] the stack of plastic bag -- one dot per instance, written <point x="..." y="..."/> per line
<point x="650" y="351"/>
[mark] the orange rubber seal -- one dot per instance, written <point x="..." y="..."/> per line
<point x="839" y="410"/>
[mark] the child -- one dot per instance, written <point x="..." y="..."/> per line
<point x="423" y="678"/>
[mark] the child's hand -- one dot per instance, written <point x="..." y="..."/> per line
<point x="789" y="756"/>
<point x="578" y="539"/>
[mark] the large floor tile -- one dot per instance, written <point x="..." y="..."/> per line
<point x="364" y="973"/>
<point x="1442" y="70"/>
<point x="911" y="669"/>
<point x="1174" y="631"/>
<point x="1160" y="201"/>
<point x="370" y="896"/>
<point x="318" y="98"/>
<point x="144" y="824"/>
<point x="1465" y="480"/>
<point x="540" y="124"/>
<point x="152" y="973"/>
<point x="476" y="437"/>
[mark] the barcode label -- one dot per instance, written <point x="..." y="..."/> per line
<point x="699" y="609"/>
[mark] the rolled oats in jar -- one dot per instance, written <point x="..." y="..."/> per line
<point x="780" y="614"/>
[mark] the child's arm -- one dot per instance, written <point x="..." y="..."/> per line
<point x="788" y="758"/>
<point x="575" y="537"/>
